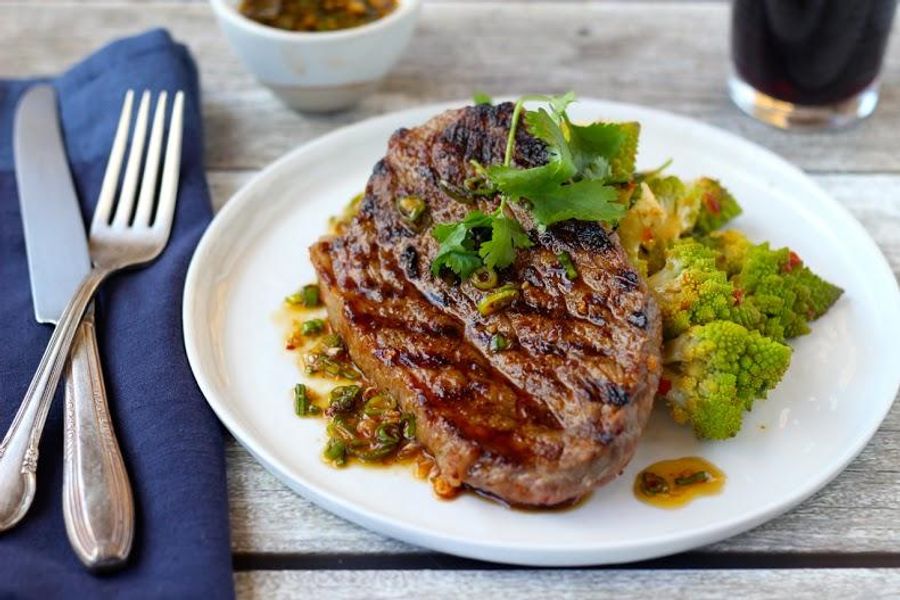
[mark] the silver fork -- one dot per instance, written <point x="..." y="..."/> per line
<point x="117" y="240"/>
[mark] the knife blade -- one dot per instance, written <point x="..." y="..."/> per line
<point x="54" y="231"/>
<point x="97" y="501"/>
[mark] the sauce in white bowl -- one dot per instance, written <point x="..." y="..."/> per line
<point x="319" y="71"/>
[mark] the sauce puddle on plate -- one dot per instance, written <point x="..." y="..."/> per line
<point x="673" y="483"/>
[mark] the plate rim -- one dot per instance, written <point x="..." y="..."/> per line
<point x="516" y="553"/>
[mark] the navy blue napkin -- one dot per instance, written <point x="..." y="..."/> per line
<point x="171" y="441"/>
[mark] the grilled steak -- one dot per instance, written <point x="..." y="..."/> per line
<point x="558" y="412"/>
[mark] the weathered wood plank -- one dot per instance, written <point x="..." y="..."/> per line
<point x="607" y="49"/>
<point x="799" y="584"/>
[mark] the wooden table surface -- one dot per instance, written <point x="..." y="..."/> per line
<point x="842" y="542"/>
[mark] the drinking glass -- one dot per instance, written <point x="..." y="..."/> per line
<point x="808" y="63"/>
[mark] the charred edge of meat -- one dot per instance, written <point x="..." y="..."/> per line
<point x="628" y="280"/>
<point x="410" y="260"/>
<point x="639" y="319"/>
<point x="573" y="236"/>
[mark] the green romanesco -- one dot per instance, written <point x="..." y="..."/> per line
<point x="638" y="229"/>
<point x="776" y="293"/>
<point x="714" y="372"/>
<point x="664" y="209"/>
<point x="690" y="289"/>
<point x="715" y="205"/>
<point x="731" y="246"/>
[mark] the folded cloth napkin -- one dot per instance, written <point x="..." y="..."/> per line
<point x="171" y="440"/>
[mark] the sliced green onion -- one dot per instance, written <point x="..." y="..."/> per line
<point x="308" y="296"/>
<point x="336" y="452"/>
<point x="565" y="260"/>
<point x="409" y="426"/>
<point x="312" y="327"/>
<point x="498" y="300"/>
<point x="652" y="484"/>
<point x="697" y="477"/>
<point x="379" y="404"/>
<point x="484" y="278"/>
<point x="498" y="343"/>
<point x="303" y="405"/>
<point x="411" y="208"/>
<point x="343" y="397"/>
<point x="376" y="453"/>
<point x="339" y="428"/>
<point x="387" y="433"/>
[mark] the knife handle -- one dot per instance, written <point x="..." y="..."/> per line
<point x="97" y="502"/>
<point x="19" y="448"/>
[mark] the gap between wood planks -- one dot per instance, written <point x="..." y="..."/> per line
<point x="446" y="562"/>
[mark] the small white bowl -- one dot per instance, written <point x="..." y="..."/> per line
<point x="319" y="71"/>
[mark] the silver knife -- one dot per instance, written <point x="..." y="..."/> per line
<point x="97" y="499"/>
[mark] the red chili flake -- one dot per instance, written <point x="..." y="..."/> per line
<point x="793" y="262"/>
<point x="664" y="386"/>
<point x="290" y="346"/>
<point x="738" y="295"/>
<point x="712" y="203"/>
<point x="647" y="234"/>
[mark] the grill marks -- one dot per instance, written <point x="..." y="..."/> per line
<point x="560" y="410"/>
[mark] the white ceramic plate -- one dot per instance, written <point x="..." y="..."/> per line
<point x="840" y="386"/>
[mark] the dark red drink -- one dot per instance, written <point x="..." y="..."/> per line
<point x="810" y="52"/>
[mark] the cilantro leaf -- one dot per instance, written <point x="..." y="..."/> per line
<point x="515" y="182"/>
<point x="593" y="145"/>
<point x="506" y="236"/>
<point x="482" y="98"/>
<point x="586" y="200"/>
<point x="461" y="262"/>
<point x="559" y="104"/>
<point x="457" y="250"/>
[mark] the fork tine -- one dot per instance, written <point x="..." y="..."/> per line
<point x="122" y="215"/>
<point x="147" y="196"/>
<point x="168" y="187"/>
<point x="111" y="177"/>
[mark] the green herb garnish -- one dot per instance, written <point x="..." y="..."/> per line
<point x="343" y="398"/>
<point x="312" y="327"/>
<point x="336" y="452"/>
<point x="498" y="300"/>
<point x="652" y="484"/>
<point x="565" y="261"/>
<point x="696" y="477"/>
<point x="498" y="343"/>
<point x="307" y="296"/>
<point x="303" y="405"/>
<point x="575" y="183"/>
<point x="482" y="98"/>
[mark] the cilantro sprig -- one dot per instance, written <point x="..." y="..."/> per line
<point x="575" y="183"/>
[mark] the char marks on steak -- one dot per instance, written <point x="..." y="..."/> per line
<point x="558" y="412"/>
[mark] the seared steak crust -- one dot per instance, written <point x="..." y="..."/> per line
<point x="557" y="413"/>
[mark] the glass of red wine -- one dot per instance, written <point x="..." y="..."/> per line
<point x="808" y="63"/>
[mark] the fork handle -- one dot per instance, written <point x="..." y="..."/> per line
<point x="97" y="503"/>
<point x="19" y="449"/>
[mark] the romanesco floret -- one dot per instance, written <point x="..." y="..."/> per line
<point x="638" y="230"/>
<point x="715" y="205"/>
<point x="714" y="372"/>
<point x="671" y="193"/>
<point x="690" y="289"/>
<point x="782" y="290"/>
<point x="665" y="209"/>
<point x="731" y="245"/>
